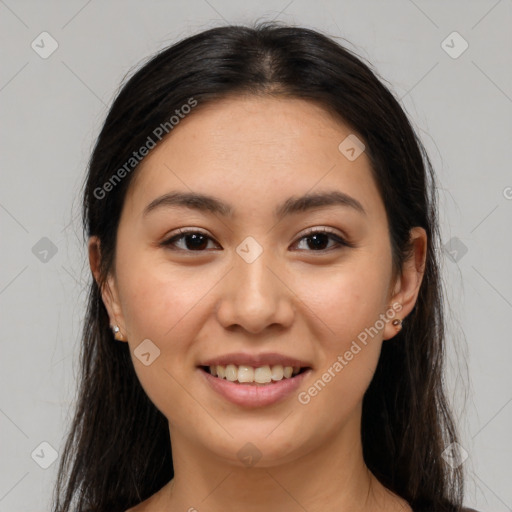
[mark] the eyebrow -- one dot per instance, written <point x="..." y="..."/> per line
<point x="290" y="206"/>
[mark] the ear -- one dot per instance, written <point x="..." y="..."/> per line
<point x="407" y="285"/>
<point x="109" y="292"/>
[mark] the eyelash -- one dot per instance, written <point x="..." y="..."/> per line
<point x="182" y="233"/>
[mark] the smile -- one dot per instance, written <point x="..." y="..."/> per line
<point x="240" y="384"/>
<point x="250" y="375"/>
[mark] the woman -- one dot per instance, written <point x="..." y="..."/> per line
<point x="284" y="373"/>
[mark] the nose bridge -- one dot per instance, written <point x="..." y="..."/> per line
<point x="253" y="296"/>
<point x="252" y="270"/>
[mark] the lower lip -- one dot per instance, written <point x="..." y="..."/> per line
<point x="248" y="395"/>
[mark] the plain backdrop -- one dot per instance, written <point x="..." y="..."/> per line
<point x="457" y="90"/>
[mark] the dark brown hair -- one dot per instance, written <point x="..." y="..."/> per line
<point x="118" y="451"/>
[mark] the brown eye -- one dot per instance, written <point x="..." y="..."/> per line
<point x="317" y="240"/>
<point x="194" y="241"/>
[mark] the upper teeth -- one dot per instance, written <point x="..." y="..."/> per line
<point x="261" y="375"/>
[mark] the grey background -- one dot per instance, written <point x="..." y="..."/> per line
<point x="52" y="109"/>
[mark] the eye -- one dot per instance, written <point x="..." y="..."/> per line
<point x="318" y="237"/>
<point x="197" y="241"/>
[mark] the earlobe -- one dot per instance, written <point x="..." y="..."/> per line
<point x="118" y="335"/>
<point x="397" y="323"/>
<point x="393" y="327"/>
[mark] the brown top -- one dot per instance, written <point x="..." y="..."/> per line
<point x="468" y="510"/>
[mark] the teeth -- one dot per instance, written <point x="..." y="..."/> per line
<point x="263" y="374"/>
<point x="248" y="374"/>
<point x="231" y="372"/>
<point x="245" y="374"/>
<point x="277" y="372"/>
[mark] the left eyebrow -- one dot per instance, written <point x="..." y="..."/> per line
<point x="307" y="202"/>
<point x="290" y="206"/>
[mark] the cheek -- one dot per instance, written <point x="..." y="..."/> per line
<point x="346" y="306"/>
<point x="163" y="305"/>
<point x="349" y="353"/>
<point x="159" y="300"/>
<point x="337" y="392"/>
<point x="344" y="301"/>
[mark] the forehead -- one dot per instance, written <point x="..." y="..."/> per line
<point x="257" y="150"/>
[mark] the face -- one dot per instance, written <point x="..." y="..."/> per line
<point x="307" y="284"/>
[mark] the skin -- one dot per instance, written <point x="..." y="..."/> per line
<point x="255" y="152"/>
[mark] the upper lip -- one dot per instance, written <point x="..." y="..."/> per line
<point x="256" y="360"/>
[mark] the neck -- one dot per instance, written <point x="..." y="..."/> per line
<point x="329" y="476"/>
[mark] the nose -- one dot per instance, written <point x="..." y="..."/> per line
<point x="255" y="296"/>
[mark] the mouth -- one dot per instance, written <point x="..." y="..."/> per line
<point x="266" y="375"/>
<point x="251" y="387"/>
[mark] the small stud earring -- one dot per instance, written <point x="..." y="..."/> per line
<point x="397" y="323"/>
<point x="117" y="333"/>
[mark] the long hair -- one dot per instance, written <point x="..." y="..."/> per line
<point x="118" y="450"/>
